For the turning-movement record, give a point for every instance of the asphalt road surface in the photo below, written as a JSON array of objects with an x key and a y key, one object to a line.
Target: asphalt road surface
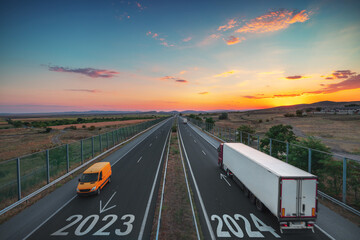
[
  {"x": 125, "y": 208},
  {"x": 224, "y": 211}
]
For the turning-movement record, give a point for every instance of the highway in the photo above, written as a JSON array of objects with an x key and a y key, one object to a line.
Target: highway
[
  {"x": 124, "y": 209},
  {"x": 224, "y": 211}
]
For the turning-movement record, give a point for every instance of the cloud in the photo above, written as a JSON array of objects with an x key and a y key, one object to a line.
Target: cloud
[
  {"x": 273, "y": 21},
  {"x": 233, "y": 40},
  {"x": 181, "y": 81},
  {"x": 168, "y": 78},
  {"x": 90, "y": 72},
  {"x": 157, "y": 37},
  {"x": 209, "y": 39},
  {"x": 83, "y": 90},
  {"x": 229, "y": 25},
  {"x": 295, "y": 77},
  {"x": 187, "y": 39},
  {"x": 182, "y": 72},
  {"x": 339, "y": 74},
  {"x": 203, "y": 93},
  {"x": 352, "y": 82},
  {"x": 226, "y": 74}
]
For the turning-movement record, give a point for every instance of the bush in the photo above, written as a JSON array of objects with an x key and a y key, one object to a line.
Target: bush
[
  {"x": 260, "y": 120},
  {"x": 83, "y": 126},
  {"x": 73, "y": 127},
  {"x": 299, "y": 113},
  {"x": 48, "y": 130},
  {"x": 223, "y": 116},
  {"x": 209, "y": 123},
  {"x": 245, "y": 129},
  {"x": 173, "y": 128},
  {"x": 91, "y": 128},
  {"x": 267, "y": 120},
  {"x": 289, "y": 115}
]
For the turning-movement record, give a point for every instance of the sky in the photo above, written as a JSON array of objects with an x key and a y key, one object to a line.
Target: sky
[{"x": 176, "y": 55}]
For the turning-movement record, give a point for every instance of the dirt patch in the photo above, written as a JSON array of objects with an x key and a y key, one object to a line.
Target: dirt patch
[
  {"x": 102, "y": 124},
  {"x": 176, "y": 218}
]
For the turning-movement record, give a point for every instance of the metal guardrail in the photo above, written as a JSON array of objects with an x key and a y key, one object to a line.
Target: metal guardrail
[
  {"x": 51, "y": 183},
  {"x": 342, "y": 203}
]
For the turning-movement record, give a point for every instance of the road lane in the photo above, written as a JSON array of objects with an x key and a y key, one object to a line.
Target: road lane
[
  {"x": 230, "y": 212},
  {"x": 120, "y": 208}
]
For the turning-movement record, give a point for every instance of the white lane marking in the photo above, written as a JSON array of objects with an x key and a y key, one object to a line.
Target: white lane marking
[
  {"x": 150, "y": 144},
  {"x": 198, "y": 192},
  {"x": 323, "y": 231},
  {"x": 194, "y": 141},
  {"x": 52, "y": 215},
  {"x": 189, "y": 194},
  {"x": 192, "y": 127},
  {"x": 222, "y": 176},
  {"x": 139, "y": 159},
  {"x": 40, "y": 225},
  {"x": 104, "y": 209},
  {"x": 151, "y": 194},
  {"x": 162, "y": 192},
  {"x": 203, "y": 152}
]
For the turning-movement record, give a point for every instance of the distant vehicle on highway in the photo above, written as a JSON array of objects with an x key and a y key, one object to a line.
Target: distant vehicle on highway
[
  {"x": 184, "y": 121},
  {"x": 287, "y": 191},
  {"x": 94, "y": 179}
]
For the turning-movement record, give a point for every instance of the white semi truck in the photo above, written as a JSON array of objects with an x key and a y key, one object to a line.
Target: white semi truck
[
  {"x": 286, "y": 191},
  {"x": 184, "y": 120}
]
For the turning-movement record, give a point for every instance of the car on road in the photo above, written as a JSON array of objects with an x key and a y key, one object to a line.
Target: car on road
[{"x": 94, "y": 179}]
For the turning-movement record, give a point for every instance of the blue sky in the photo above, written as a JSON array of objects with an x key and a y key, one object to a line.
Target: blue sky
[{"x": 132, "y": 55}]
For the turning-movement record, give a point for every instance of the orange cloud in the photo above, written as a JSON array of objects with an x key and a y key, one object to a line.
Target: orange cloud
[
  {"x": 273, "y": 21},
  {"x": 296, "y": 77},
  {"x": 229, "y": 25},
  {"x": 83, "y": 90},
  {"x": 174, "y": 78},
  {"x": 181, "y": 81},
  {"x": 90, "y": 72},
  {"x": 226, "y": 74},
  {"x": 339, "y": 74},
  {"x": 233, "y": 40},
  {"x": 162, "y": 40},
  {"x": 209, "y": 39},
  {"x": 203, "y": 93}
]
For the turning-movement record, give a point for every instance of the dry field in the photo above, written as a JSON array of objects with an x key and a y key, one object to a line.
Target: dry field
[
  {"x": 339, "y": 132},
  {"x": 15, "y": 142}
]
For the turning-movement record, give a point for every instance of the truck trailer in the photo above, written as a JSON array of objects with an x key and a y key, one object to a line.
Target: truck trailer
[
  {"x": 184, "y": 120},
  {"x": 288, "y": 192}
]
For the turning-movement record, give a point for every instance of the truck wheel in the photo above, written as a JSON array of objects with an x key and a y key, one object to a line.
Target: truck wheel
[
  {"x": 246, "y": 192},
  {"x": 259, "y": 205},
  {"x": 252, "y": 197}
]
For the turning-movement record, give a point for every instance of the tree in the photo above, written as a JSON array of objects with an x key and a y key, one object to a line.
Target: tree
[
  {"x": 299, "y": 113},
  {"x": 209, "y": 123},
  {"x": 243, "y": 131},
  {"x": 289, "y": 115},
  {"x": 223, "y": 116},
  {"x": 282, "y": 133},
  {"x": 318, "y": 109}
]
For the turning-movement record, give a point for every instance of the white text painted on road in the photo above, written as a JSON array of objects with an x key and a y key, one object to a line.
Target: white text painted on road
[{"x": 104, "y": 209}]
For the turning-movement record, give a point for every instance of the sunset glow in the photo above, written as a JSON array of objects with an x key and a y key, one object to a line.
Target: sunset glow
[{"x": 166, "y": 55}]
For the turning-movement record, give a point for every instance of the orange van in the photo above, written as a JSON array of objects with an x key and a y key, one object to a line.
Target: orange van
[{"x": 94, "y": 179}]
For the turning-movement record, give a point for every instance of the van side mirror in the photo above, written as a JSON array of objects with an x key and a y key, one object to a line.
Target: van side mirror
[
  {"x": 100, "y": 178},
  {"x": 79, "y": 179}
]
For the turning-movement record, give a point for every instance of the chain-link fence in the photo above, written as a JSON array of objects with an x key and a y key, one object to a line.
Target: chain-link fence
[
  {"x": 21, "y": 176},
  {"x": 339, "y": 177}
]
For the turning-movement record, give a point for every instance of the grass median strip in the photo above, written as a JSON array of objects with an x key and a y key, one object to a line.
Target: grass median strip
[{"x": 176, "y": 215}]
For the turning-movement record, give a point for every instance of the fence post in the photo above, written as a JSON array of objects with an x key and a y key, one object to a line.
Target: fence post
[
  {"x": 100, "y": 142},
  {"x": 47, "y": 167},
  {"x": 309, "y": 161},
  {"x": 18, "y": 177},
  {"x": 248, "y": 139},
  {"x": 344, "y": 181},
  {"x": 92, "y": 146},
  {"x": 270, "y": 146},
  {"x": 287, "y": 151},
  {"x": 235, "y": 135},
  {"x": 241, "y": 136},
  {"x": 107, "y": 140},
  {"x": 113, "y": 138},
  {"x": 82, "y": 151},
  {"x": 258, "y": 142},
  {"x": 67, "y": 158}
]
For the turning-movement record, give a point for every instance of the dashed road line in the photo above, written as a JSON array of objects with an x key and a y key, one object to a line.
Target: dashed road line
[
  {"x": 139, "y": 159},
  {"x": 203, "y": 152}
]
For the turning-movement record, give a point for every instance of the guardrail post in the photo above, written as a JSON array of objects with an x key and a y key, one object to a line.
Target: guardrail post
[
  {"x": 92, "y": 147},
  {"x": 82, "y": 151},
  {"x": 18, "y": 177},
  {"x": 309, "y": 161},
  {"x": 287, "y": 151},
  {"x": 258, "y": 142},
  {"x": 344, "y": 181},
  {"x": 100, "y": 142},
  {"x": 235, "y": 135},
  {"x": 67, "y": 158},
  {"x": 47, "y": 167},
  {"x": 248, "y": 139},
  {"x": 270, "y": 146}
]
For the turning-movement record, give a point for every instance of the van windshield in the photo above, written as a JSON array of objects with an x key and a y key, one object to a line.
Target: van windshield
[{"x": 89, "y": 177}]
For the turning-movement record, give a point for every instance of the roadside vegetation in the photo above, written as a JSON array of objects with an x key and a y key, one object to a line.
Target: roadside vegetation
[{"x": 176, "y": 217}]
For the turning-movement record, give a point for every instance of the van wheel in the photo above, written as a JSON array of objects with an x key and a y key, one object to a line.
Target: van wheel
[
  {"x": 259, "y": 205},
  {"x": 252, "y": 198},
  {"x": 98, "y": 191},
  {"x": 246, "y": 192}
]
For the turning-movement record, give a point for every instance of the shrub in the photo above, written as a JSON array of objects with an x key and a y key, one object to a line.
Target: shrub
[
  {"x": 289, "y": 115},
  {"x": 91, "y": 128},
  {"x": 173, "y": 128},
  {"x": 260, "y": 120},
  {"x": 223, "y": 116},
  {"x": 267, "y": 120},
  {"x": 48, "y": 130},
  {"x": 83, "y": 126},
  {"x": 73, "y": 127},
  {"x": 299, "y": 113}
]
